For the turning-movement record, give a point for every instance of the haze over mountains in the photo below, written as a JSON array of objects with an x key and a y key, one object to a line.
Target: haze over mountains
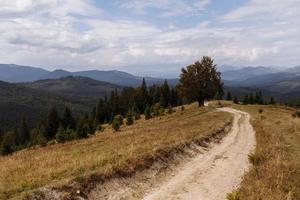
[
  {"x": 283, "y": 84},
  {"x": 16, "y": 73}
]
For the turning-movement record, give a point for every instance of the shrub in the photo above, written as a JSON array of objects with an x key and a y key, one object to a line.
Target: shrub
[
  {"x": 147, "y": 113},
  {"x": 120, "y": 118},
  {"x": 182, "y": 108},
  {"x": 170, "y": 110},
  {"x": 260, "y": 111},
  {"x": 161, "y": 111},
  {"x": 116, "y": 124},
  {"x": 61, "y": 135},
  {"x": 233, "y": 196},
  {"x": 156, "y": 109},
  {"x": 129, "y": 118},
  {"x": 256, "y": 158},
  {"x": 296, "y": 114}
]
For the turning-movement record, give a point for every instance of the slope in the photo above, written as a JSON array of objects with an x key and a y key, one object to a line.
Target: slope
[
  {"x": 74, "y": 86},
  {"x": 79, "y": 165},
  {"x": 17, "y": 101}
]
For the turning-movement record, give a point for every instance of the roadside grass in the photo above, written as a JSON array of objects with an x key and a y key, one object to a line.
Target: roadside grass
[
  {"x": 276, "y": 161},
  {"x": 55, "y": 165}
]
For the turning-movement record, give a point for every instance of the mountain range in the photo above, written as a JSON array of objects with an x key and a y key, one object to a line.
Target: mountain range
[
  {"x": 280, "y": 83},
  {"x": 16, "y": 73}
]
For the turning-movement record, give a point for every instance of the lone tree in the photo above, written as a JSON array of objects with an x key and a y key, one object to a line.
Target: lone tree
[{"x": 200, "y": 81}]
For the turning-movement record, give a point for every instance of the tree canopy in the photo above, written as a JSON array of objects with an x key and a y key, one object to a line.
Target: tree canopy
[{"x": 200, "y": 81}]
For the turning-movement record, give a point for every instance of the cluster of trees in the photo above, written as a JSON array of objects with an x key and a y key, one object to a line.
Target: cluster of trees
[
  {"x": 256, "y": 98},
  {"x": 198, "y": 82},
  {"x": 129, "y": 103}
]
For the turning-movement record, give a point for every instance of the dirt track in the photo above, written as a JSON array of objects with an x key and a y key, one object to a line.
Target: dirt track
[
  {"x": 209, "y": 174},
  {"x": 213, "y": 174}
]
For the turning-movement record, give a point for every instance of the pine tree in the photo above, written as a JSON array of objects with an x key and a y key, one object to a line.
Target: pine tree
[
  {"x": 147, "y": 113},
  {"x": 60, "y": 135},
  {"x": 272, "y": 100},
  {"x": 23, "y": 133},
  {"x": 165, "y": 94},
  {"x": 259, "y": 98},
  {"x": 1, "y": 134},
  {"x": 129, "y": 118},
  {"x": 142, "y": 96},
  {"x": 246, "y": 100},
  {"x": 99, "y": 112},
  {"x": 228, "y": 97},
  {"x": 68, "y": 120},
  {"x": 82, "y": 129},
  {"x": 116, "y": 124},
  {"x": 52, "y": 123},
  {"x": 251, "y": 99},
  {"x": 136, "y": 113},
  {"x": 7, "y": 143}
]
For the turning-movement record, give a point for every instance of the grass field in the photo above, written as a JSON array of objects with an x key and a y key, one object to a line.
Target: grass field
[
  {"x": 107, "y": 151},
  {"x": 276, "y": 162}
]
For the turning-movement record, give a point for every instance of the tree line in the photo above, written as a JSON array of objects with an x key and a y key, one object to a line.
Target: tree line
[
  {"x": 250, "y": 98},
  {"x": 57, "y": 126}
]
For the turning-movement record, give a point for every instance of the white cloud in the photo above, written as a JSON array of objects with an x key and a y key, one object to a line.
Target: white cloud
[
  {"x": 75, "y": 34},
  {"x": 168, "y": 8}
]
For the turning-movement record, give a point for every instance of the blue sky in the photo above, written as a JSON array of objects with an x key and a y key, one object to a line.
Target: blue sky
[{"x": 153, "y": 37}]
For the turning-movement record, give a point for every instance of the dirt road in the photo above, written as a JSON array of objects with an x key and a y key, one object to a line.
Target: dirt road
[
  {"x": 213, "y": 174},
  {"x": 209, "y": 174}
]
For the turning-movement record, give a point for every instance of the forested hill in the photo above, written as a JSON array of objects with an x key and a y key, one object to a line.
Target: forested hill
[
  {"x": 17, "y": 101},
  {"x": 74, "y": 86}
]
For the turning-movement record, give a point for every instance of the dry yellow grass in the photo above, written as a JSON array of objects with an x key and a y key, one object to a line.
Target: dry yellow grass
[
  {"x": 105, "y": 152},
  {"x": 276, "y": 170}
]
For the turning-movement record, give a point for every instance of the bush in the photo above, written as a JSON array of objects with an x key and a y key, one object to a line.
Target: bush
[
  {"x": 156, "y": 109},
  {"x": 233, "y": 196},
  {"x": 260, "y": 111},
  {"x": 129, "y": 118},
  {"x": 147, "y": 113},
  {"x": 256, "y": 158},
  {"x": 161, "y": 111},
  {"x": 116, "y": 124},
  {"x": 296, "y": 114},
  {"x": 8, "y": 141},
  {"x": 170, "y": 110},
  {"x": 182, "y": 108}
]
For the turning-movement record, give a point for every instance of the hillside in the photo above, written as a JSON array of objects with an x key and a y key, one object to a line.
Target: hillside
[
  {"x": 108, "y": 153},
  {"x": 16, "y": 101},
  {"x": 74, "y": 86}
]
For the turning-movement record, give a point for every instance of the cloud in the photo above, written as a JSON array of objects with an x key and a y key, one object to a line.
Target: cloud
[
  {"x": 74, "y": 34},
  {"x": 168, "y": 8}
]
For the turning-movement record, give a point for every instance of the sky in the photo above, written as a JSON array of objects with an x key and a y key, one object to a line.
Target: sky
[{"x": 152, "y": 37}]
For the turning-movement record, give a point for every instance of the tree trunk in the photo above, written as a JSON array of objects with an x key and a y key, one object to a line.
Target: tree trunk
[{"x": 200, "y": 102}]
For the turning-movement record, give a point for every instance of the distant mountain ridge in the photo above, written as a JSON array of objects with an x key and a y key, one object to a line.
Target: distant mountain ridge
[
  {"x": 74, "y": 86},
  {"x": 17, "y": 74},
  {"x": 246, "y": 73}
]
